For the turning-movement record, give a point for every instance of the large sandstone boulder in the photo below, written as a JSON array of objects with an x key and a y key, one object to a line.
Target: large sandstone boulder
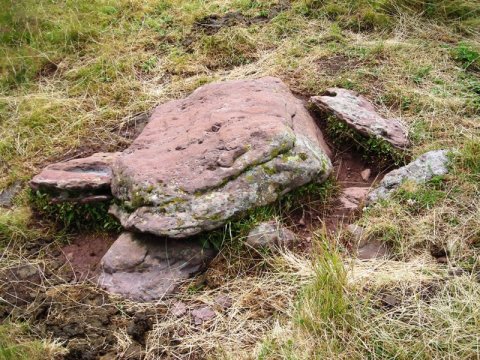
[
  {"x": 143, "y": 267},
  {"x": 226, "y": 148},
  {"x": 360, "y": 114}
]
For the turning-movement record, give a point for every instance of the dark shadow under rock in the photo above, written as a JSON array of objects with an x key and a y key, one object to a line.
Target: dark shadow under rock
[{"x": 144, "y": 268}]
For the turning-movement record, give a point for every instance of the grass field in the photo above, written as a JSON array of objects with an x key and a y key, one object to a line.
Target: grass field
[{"x": 74, "y": 74}]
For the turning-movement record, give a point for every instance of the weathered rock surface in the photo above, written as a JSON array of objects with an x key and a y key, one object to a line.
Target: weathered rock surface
[
  {"x": 202, "y": 315},
  {"x": 365, "y": 248},
  {"x": 86, "y": 179},
  {"x": 351, "y": 198},
  {"x": 142, "y": 267},
  {"x": 226, "y": 148},
  {"x": 8, "y": 194},
  {"x": 430, "y": 164},
  {"x": 365, "y": 174},
  {"x": 270, "y": 235},
  {"x": 373, "y": 249},
  {"x": 360, "y": 114},
  {"x": 357, "y": 232}
]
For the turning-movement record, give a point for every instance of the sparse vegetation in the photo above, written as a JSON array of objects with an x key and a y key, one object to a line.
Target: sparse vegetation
[
  {"x": 374, "y": 150},
  {"x": 74, "y": 217},
  {"x": 15, "y": 344},
  {"x": 72, "y": 73}
]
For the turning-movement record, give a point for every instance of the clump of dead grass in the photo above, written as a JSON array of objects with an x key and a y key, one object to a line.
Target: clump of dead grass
[{"x": 392, "y": 310}]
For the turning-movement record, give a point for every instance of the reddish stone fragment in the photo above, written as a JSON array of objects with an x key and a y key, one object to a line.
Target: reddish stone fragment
[{"x": 360, "y": 114}]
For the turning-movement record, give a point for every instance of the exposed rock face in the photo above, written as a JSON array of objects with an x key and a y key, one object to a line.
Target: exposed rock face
[
  {"x": 358, "y": 113},
  {"x": 144, "y": 267},
  {"x": 373, "y": 249},
  {"x": 352, "y": 197},
  {"x": 367, "y": 249},
  {"x": 430, "y": 164},
  {"x": 202, "y": 315},
  {"x": 270, "y": 235},
  {"x": 86, "y": 179},
  {"x": 8, "y": 194},
  {"x": 226, "y": 148}
]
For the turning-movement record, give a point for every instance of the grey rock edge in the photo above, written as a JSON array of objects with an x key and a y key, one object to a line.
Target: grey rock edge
[
  {"x": 143, "y": 267},
  {"x": 226, "y": 148},
  {"x": 8, "y": 194},
  {"x": 366, "y": 249},
  {"x": 428, "y": 165},
  {"x": 358, "y": 113}
]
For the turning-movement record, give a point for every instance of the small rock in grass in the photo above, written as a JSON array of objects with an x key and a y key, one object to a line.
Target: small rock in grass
[
  {"x": 365, "y": 174},
  {"x": 202, "y": 315},
  {"x": 352, "y": 197},
  {"x": 390, "y": 300},
  {"x": 26, "y": 271},
  {"x": 224, "y": 301},
  {"x": 442, "y": 260},
  {"x": 269, "y": 235},
  {"x": 374, "y": 249},
  {"x": 357, "y": 232},
  {"x": 430, "y": 164},
  {"x": 179, "y": 309},
  {"x": 7, "y": 195}
]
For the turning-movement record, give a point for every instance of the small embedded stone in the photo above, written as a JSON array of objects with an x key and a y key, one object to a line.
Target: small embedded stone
[
  {"x": 365, "y": 174},
  {"x": 224, "y": 301},
  {"x": 179, "y": 309},
  {"x": 202, "y": 315},
  {"x": 270, "y": 234},
  {"x": 424, "y": 168}
]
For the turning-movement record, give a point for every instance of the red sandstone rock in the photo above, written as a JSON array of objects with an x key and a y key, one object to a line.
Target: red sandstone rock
[
  {"x": 226, "y": 148},
  {"x": 352, "y": 197},
  {"x": 144, "y": 268},
  {"x": 77, "y": 179},
  {"x": 360, "y": 114}
]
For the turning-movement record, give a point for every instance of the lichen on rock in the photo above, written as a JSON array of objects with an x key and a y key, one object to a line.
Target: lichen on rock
[{"x": 226, "y": 148}]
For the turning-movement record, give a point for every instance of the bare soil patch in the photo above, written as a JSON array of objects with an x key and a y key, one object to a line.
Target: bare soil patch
[{"x": 212, "y": 24}]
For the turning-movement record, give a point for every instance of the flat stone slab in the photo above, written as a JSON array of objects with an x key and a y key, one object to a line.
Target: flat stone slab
[
  {"x": 430, "y": 164},
  {"x": 142, "y": 267},
  {"x": 360, "y": 114},
  {"x": 374, "y": 249},
  {"x": 270, "y": 235},
  {"x": 78, "y": 179},
  {"x": 352, "y": 197},
  {"x": 226, "y": 148}
]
